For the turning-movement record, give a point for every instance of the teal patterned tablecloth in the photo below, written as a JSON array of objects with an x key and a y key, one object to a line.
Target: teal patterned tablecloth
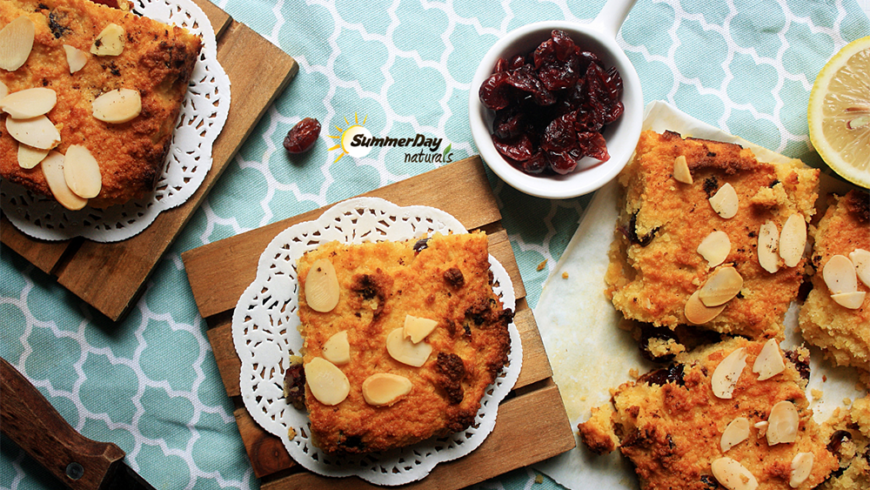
[{"x": 150, "y": 383}]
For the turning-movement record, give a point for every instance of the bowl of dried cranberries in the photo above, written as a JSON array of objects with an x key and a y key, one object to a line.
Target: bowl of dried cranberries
[{"x": 556, "y": 107}]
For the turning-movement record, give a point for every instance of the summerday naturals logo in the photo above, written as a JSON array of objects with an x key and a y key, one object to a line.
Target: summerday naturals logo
[{"x": 357, "y": 141}]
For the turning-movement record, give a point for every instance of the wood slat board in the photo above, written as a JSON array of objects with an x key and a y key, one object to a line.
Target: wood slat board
[
  {"x": 532, "y": 424},
  {"x": 110, "y": 276}
]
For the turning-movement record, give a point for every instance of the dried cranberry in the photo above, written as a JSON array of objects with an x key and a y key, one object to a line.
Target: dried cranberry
[
  {"x": 493, "y": 91},
  {"x": 536, "y": 164},
  {"x": 303, "y": 136},
  {"x": 524, "y": 79},
  {"x": 500, "y": 66},
  {"x": 517, "y": 62},
  {"x": 508, "y": 123},
  {"x": 518, "y": 149}
]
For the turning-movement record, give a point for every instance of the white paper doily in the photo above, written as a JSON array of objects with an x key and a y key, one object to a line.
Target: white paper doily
[
  {"x": 265, "y": 333},
  {"x": 204, "y": 112}
]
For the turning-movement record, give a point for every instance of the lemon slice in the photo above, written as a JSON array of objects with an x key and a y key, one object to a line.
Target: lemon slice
[{"x": 839, "y": 112}]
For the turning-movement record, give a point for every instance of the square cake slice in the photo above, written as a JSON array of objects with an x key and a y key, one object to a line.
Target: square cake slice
[
  {"x": 731, "y": 415},
  {"x": 120, "y": 53},
  {"x": 689, "y": 246},
  {"x": 401, "y": 339},
  {"x": 841, "y": 329}
]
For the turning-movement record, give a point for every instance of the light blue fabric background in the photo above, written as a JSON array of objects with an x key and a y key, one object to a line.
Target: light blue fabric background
[{"x": 150, "y": 383}]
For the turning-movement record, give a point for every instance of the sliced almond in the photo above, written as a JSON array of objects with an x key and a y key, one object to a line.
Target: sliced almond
[
  {"x": 861, "y": 260},
  {"x": 852, "y": 300},
  {"x": 117, "y": 106},
  {"x": 715, "y": 248},
  {"x": 762, "y": 428},
  {"x": 736, "y": 432},
  {"x": 793, "y": 240},
  {"x": 29, "y": 157},
  {"x": 839, "y": 274},
  {"x": 769, "y": 362},
  {"x": 110, "y": 41},
  {"x": 417, "y": 328},
  {"x": 405, "y": 351},
  {"x": 801, "y": 467},
  {"x": 75, "y": 58},
  {"x": 681, "y": 170},
  {"x": 29, "y": 103},
  {"x": 768, "y": 245},
  {"x": 327, "y": 383},
  {"x": 321, "y": 286},
  {"x": 337, "y": 349},
  {"x": 721, "y": 287},
  {"x": 383, "y": 389},
  {"x": 37, "y": 132},
  {"x": 697, "y": 312},
  {"x": 783, "y": 423},
  {"x": 82, "y": 172},
  {"x": 725, "y": 201},
  {"x": 4, "y": 90},
  {"x": 727, "y": 374},
  {"x": 16, "y": 42},
  {"x": 52, "y": 168},
  {"x": 733, "y": 475}
]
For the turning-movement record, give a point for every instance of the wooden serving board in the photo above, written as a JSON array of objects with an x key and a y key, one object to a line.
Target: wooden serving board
[
  {"x": 110, "y": 276},
  {"x": 532, "y": 424}
]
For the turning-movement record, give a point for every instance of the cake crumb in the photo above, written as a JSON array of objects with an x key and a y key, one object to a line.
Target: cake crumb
[
  {"x": 542, "y": 265},
  {"x": 847, "y": 401},
  {"x": 291, "y": 433},
  {"x": 633, "y": 373},
  {"x": 817, "y": 394},
  {"x": 565, "y": 275},
  {"x": 539, "y": 478}
]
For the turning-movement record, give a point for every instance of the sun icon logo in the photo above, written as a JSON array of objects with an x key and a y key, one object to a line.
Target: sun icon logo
[{"x": 345, "y": 139}]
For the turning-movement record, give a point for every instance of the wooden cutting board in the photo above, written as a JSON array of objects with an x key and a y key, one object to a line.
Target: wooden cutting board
[
  {"x": 110, "y": 276},
  {"x": 532, "y": 424}
]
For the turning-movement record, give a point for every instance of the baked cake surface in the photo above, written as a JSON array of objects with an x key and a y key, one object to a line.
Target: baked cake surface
[
  {"x": 849, "y": 440},
  {"x": 157, "y": 61},
  {"x": 655, "y": 265},
  {"x": 670, "y": 423},
  {"x": 842, "y": 333},
  {"x": 446, "y": 279}
]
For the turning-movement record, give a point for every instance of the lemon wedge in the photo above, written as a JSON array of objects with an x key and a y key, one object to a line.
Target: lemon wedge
[{"x": 839, "y": 112}]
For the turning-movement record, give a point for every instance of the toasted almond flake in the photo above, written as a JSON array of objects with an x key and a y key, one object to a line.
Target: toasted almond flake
[
  {"x": 839, "y": 274},
  {"x": 52, "y": 168},
  {"x": 4, "y": 90},
  {"x": 117, "y": 106},
  {"x": 801, "y": 467},
  {"x": 697, "y": 312},
  {"x": 852, "y": 300},
  {"x": 37, "y": 132},
  {"x": 110, "y": 41},
  {"x": 793, "y": 240},
  {"x": 29, "y": 103},
  {"x": 383, "y": 389},
  {"x": 783, "y": 422},
  {"x": 768, "y": 245},
  {"x": 29, "y": 157},
  {"x": 418, "y": 328},
  {"x": 861, "y": 260},
  {"x": 321, "y": 286},
  {"x": 75, "y": 58},
  {"x": 82, "y": 172},
  {"x": 16, "y": 42},
  {"x": 715, "y": 248},
  {"x": 405, "y": 351},
  {"x": 681, "y": 170},
  {"x": 769, "y": 362},
  {"x": 327, "y": 383},
  {"x": 762, "y": 428},
  {"x": 727, "y": 374},
  {"x": 721, "y": 287},
  {"x": 337, "y": 349},
  {"x": 733, "y": 475},
  {"x": 736, "y": 432},
  {"x": 725, "y": 202}
]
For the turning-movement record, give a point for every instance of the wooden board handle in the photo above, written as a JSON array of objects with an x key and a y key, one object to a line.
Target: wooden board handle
[{"x": 29, "y": 420}]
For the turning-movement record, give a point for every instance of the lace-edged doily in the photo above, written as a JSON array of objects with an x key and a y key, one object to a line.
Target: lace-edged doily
[
  {"x": 203, "y": 115},
  {"x": 265, "y": 334}
]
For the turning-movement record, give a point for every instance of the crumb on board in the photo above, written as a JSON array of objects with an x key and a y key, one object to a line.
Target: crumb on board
[
  {"x": 539, "y": 478},
  {"x": 847, "y": 401},
  {"x": 565, "y": 275},
  {"x": 291, "y": 433},
  {"x": 817, "y": 394},
  {"x": 542, "y": 265},
  {"x": 633, "y": 373}
]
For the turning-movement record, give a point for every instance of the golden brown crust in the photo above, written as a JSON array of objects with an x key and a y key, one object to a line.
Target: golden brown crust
[
  {"x": 654, "y": 263},
  {"x": 157, "y": 60},
  {"x": 380, "y": 284},
  {"x": 848, "y": 433},
  {"x": 841, "y": 333},
  {"x": 670, "y": 423}
]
